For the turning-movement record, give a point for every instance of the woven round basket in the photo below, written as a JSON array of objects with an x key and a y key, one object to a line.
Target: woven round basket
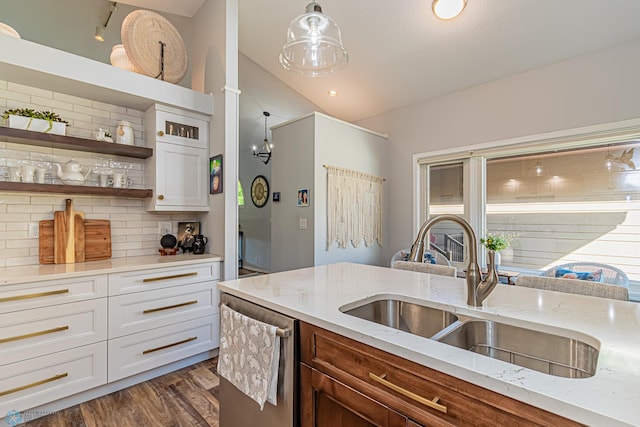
[{"x": 142, "y": 31}]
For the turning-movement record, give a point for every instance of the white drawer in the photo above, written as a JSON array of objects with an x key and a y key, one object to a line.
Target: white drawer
[
  {"x": 51, "y": 292},
  {"x": 140, "y": 352},
  {"x": 32, "y": 333},
  {"x": 141, "y": 311},
  {"x": 157, "y": 278},
  {"x": 34, "y": 382}
]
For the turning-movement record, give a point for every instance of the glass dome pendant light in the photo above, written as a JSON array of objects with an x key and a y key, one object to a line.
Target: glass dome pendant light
[
  {"x": 314, "y": 44},
  {"x": 264, "y": 154}
]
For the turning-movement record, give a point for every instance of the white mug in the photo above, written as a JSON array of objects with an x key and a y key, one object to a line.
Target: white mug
[
  {"x": 40, "y": 175},
  {"x": 15, "y": 174},
  {"x": 105, "y": 181},
  {"x": 28, "y": 173},
  {"x": 119, "y": 180}
]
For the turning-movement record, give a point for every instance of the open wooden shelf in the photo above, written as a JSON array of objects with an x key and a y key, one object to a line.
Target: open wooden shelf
[
  {"x": 76, "y": 189},
  {"x": 41, "y": 139}
]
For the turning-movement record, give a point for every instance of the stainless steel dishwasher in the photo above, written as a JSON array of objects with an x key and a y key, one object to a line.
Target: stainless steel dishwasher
[{"x": 238, "y": 410}]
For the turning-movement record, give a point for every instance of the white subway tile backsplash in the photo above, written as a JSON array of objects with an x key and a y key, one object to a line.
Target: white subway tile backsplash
[
  {"x": 51, "y": 104},
  {"x": 12, "y": 97},
  {"x": 109, "y": 107},
  {"x": 91, "y": 111},
  {"x": 29, "y": 90},
  {"x": 72, "y": 99}
]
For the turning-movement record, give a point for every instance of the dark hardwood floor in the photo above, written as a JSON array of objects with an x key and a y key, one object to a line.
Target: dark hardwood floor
[{"x": 188, "y": 397}]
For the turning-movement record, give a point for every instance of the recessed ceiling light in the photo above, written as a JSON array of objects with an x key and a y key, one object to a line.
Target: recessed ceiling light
[
  {"x": 333, "y": 93},
  {"x": 448, "y": 9}
]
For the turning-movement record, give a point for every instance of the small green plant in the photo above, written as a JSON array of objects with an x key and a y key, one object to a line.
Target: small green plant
[
  {"x": 497, "y": 241},
  {"x": 49, "y": 116}
]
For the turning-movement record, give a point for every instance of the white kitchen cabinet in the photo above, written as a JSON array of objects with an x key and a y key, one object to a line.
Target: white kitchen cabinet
[
  {"x": 41, "y": 331},
  {"x": 178, "y": 170},
  {"x": 52, "y": 340},
  {"x": 132, "y": 354},
  {"x": 71, "y": 337},
  {"x": 29, "y": 383},
  {"x": 161, "y": 315}
]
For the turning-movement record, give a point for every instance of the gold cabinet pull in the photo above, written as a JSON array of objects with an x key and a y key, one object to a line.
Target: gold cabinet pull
[
  {"x": 160, "y": 133},
  {"x": 430, "y": 403},
  {"x": 175, "y": 276},
  {"x": 36, "y": 384},
  {"x": 161, "y": 197},
  {"x": 151, "y": 350},
  {"x": 153, "y": 310},
  {"x": 38, "y": 295},
  {"x": 34, "y": 334}
]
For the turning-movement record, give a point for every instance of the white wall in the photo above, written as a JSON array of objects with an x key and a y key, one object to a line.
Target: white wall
[
  {"x": 293, "y": 168},
  {"x": 347, "y": 146},
  {"x": 597, "y": 88},
  {"x": 261, "y": 92},
  {"x": 309, "y": 143}
]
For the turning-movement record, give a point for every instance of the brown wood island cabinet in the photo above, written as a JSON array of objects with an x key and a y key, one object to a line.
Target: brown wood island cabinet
[{"x": 347, "y": 383}]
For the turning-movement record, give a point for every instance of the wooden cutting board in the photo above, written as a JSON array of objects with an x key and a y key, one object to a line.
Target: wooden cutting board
[
  {"x": 68, "y": 235},
  {"x": 97, "y": 240}
]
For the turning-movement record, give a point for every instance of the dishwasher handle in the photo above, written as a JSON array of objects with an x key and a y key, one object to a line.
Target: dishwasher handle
[{"x": 282, "y": 333}]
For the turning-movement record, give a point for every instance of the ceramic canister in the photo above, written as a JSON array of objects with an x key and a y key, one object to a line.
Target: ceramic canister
[{"x": 124, "y": 133}]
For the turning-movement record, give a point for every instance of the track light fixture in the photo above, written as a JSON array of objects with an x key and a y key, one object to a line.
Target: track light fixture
[{"x": 99, "y": 35}]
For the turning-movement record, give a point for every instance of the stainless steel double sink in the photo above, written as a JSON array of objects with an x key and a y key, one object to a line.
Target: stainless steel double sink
[{"x": 537, "y": 350}]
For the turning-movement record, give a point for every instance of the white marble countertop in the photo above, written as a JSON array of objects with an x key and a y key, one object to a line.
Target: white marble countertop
[
  {"x": 29, "y": 273},
  {"x": 611, "y": 397}
]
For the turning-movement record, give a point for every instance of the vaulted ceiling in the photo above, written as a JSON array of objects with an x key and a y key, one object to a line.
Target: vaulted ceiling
[{"x": 401, "y": 54}]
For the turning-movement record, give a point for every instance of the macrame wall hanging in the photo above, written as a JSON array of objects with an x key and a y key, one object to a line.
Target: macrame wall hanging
[{"x": 354, "y": 207}]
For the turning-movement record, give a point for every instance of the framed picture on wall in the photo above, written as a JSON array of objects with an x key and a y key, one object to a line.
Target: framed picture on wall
[
  {"x": 215, "y": 174},
  {"x": 303, "y": 197}
]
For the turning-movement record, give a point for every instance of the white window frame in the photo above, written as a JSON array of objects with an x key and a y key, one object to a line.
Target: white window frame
[{"x": 474, "y": 159}]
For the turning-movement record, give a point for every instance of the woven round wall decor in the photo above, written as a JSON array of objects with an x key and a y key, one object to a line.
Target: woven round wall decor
[{"x": 142, "y": 31}]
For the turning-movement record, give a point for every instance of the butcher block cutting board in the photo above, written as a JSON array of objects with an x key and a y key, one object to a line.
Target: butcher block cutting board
[
  {"x": 68, "y": 235},
  {"x": 91, "y": 238}
]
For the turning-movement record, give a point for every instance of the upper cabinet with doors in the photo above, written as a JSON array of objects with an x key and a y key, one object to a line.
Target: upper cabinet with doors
[{"x": 178, "y": 169}]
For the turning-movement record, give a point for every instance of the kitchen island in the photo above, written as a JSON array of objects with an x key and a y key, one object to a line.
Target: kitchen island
[{"x": 316, "y": 296}]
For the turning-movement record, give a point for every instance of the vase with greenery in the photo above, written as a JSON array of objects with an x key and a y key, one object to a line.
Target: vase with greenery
[
  {"x": 496, "y": 242},
  {"x": 48, "y": 116}
]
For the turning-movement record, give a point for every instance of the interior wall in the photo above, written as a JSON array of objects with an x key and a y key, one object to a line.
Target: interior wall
[
  {"x": 261, "y": 91},
  {"x": 69, "y": 25},
  {"x": 293, "y": 169},
  {"x": 299, "y": 233},
  {"x": 597, "y": 88},
  {"x": 347, "y": 146}
]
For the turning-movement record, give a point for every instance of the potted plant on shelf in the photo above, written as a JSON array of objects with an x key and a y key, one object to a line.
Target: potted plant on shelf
[{"x": 38, "y": 121}]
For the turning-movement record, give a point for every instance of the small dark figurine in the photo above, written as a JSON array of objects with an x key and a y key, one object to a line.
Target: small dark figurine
[{"x": 186, "y": 241}]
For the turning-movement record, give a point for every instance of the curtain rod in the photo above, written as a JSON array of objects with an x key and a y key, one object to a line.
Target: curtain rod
[{"x": 353, "y": 170}]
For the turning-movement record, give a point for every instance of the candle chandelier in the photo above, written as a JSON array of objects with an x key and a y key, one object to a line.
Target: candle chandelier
[{"x": 264, "y": 153}]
